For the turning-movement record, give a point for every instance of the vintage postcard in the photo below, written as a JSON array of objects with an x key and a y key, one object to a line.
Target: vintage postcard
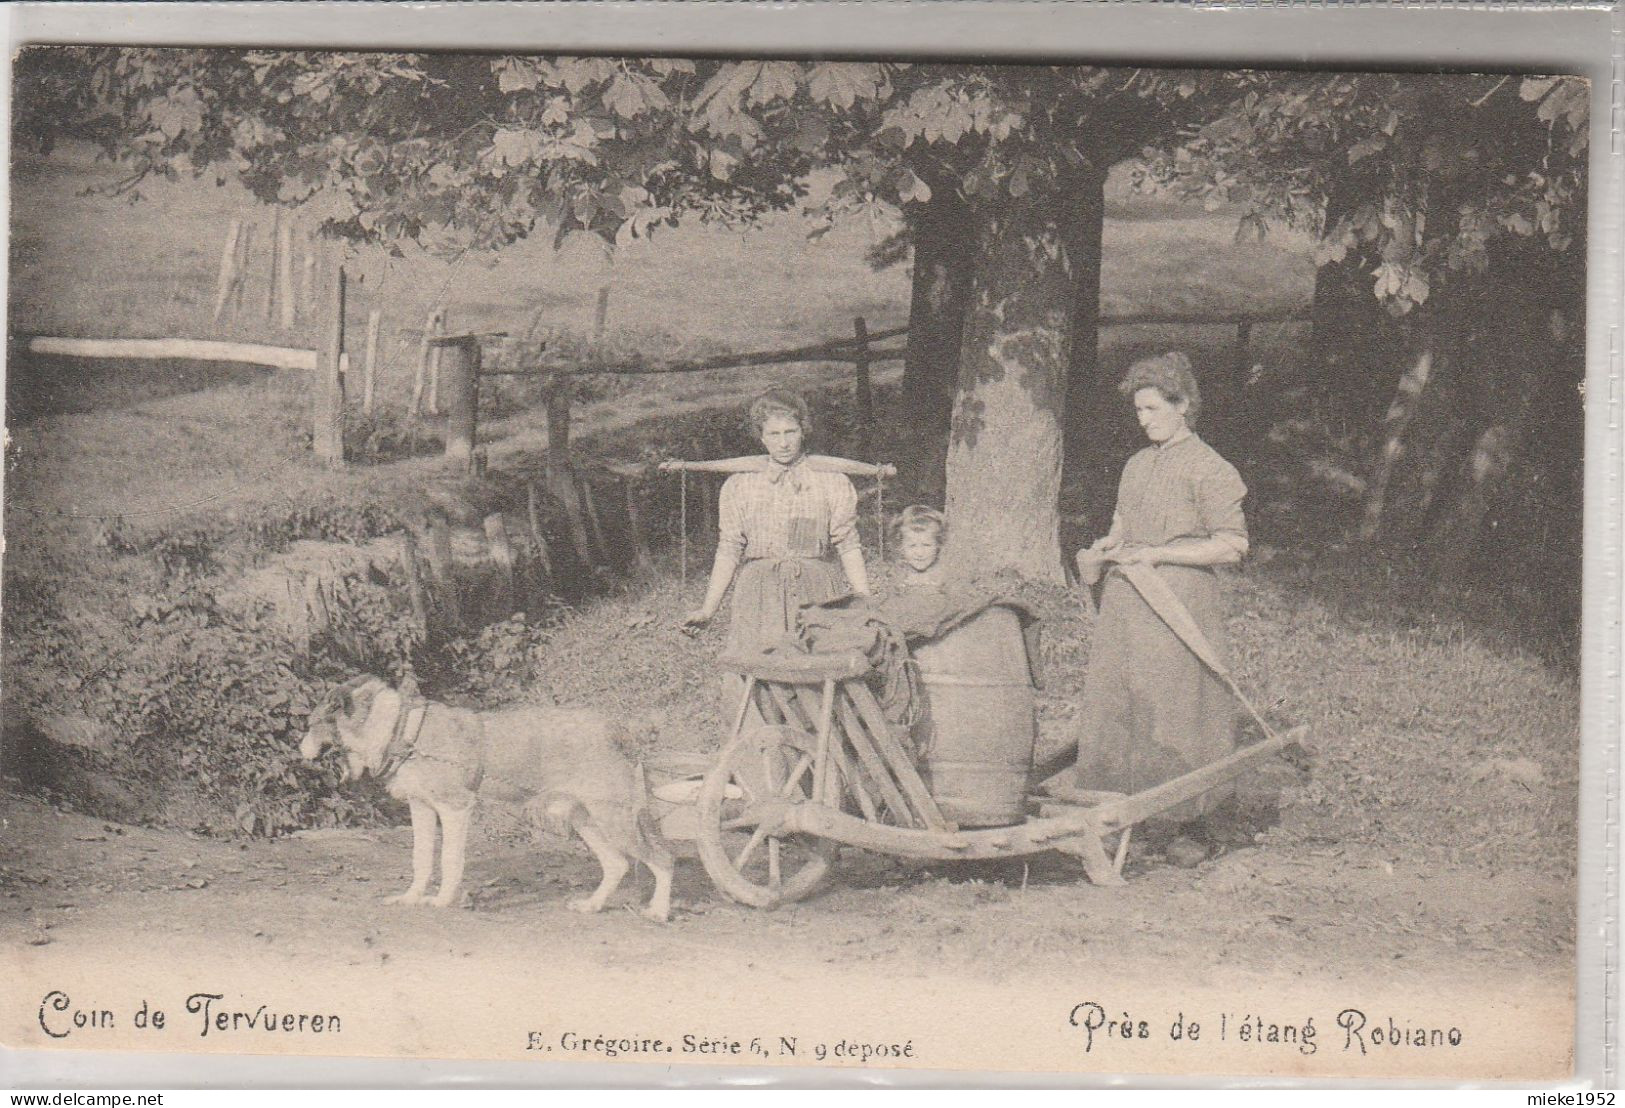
[{"x": 588, "y": 556}]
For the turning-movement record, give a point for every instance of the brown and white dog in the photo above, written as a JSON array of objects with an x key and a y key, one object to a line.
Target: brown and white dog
[{"x": 564, "y": 765}]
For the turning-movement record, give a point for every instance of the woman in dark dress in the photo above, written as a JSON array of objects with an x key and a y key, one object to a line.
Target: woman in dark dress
[{"x": 1152, "y": 710}]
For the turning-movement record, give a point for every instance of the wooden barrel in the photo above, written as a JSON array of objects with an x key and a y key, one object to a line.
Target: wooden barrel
[{"x": 979, "y": 724}]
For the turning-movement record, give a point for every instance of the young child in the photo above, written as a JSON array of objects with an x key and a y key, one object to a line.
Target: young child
[{"x": 918, "y": 534}]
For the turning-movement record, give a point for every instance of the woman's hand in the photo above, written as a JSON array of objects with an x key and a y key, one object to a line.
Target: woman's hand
[
  {"x": 1140, "y": 556},
  {"x": 1091, "y": 562},
  {"x": 696, "y": 619}
]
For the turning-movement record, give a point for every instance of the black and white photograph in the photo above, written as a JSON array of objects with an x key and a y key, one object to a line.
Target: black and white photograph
[{"x": 764, "y": 560}]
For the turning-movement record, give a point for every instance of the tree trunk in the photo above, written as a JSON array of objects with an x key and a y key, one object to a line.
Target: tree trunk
[
  {"x": 1085, "y": 384},
  {"x": 1422, "y": 435},
  {"x": 1091, "y": 396},
  {"x": 1004, "y": 452},
  {"x": 944, "y": 261}
]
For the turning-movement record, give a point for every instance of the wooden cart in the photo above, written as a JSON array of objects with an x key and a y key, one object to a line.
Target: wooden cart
[{"x": 812, "y": 764}]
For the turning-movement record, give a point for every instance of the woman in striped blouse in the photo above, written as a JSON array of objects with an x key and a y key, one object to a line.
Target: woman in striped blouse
[
  {"x": 777, "y": 529},
  {"x": 1152, "y": 711}
]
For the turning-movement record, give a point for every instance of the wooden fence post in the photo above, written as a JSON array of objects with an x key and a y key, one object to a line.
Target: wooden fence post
[
  {"x": 329, "y": 385},
  {"x": 557, "y": 404},
  {"x": 432, "y": 396},
  {"x": 865, "y": 389},
  {"x": 273, "y": 246},
  {"x": 600, "y": 314},
  {"x": 461, "y": 368},
  {"x": 307, "y": 284},
  {"x": 369, "y": 371},
  {"x": 1244, "y": 342},
  {"x": 228, "y": 263},
  {"x": 432, "y": 327},
  {"x": 440, "y": 562},
  {"x": 245, "y": 254},
  {"x": 284, "y": 271}
]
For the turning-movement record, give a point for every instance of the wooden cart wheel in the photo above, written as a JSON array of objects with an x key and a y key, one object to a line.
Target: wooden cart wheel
[{"x": 762, "y": 767}]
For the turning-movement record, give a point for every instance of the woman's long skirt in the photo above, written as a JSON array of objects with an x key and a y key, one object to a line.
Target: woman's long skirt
[
  {"x": 1152, "y": 711},
  {"x": 767, "y": 595},
  {"x": 769, "y": 592}
]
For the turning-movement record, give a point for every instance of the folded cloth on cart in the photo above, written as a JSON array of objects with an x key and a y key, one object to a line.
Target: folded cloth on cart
[{"x": 882, "y": 633}]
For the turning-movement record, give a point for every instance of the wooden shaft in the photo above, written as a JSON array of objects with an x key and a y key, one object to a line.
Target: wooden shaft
[
  {"x": 1150, "y": 802},
  {"x": 756, "y": 463},
  {"x": 907, "y": 842}
]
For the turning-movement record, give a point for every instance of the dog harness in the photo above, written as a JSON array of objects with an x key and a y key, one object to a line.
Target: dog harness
[{"x": 404, "y": 737}]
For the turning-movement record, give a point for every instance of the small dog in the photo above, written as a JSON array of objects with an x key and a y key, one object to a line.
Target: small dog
[{"x": 564, "y": 765}]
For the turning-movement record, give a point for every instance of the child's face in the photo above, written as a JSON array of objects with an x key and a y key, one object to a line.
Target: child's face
[{"x": 920, "y": 550}]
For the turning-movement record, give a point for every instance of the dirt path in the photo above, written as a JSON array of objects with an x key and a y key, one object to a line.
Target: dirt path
[{"x": 978, "y": 966}]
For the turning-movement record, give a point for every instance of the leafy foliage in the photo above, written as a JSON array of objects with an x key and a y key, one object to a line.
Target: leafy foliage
[
  {"x": 1393, "y": 170},
  {"x": 198, "y": 694},
  {"x": 456, "y": 151}
]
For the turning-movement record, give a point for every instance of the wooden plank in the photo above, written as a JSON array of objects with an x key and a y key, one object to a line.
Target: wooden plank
[
  {"x": 800, "y": 706},
  {"x": 203, "y": 350},
  {"x": 809, "y": 706},
  {"x": 902, "y": 766},
  {"x": 875, "y": 766},
  {"x": 797, "y": 669}
]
